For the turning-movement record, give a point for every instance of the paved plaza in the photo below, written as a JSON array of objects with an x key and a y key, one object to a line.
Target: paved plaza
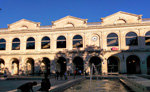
[{"x": 14, "y": 82}]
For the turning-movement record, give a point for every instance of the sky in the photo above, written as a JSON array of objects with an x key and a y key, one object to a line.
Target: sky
[{"x": 45, "y": 11}]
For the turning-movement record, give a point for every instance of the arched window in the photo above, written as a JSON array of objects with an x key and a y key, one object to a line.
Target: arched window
[
  {"x": 147, "y": 38},
  {"x": 30, "y": 43},
  {"x": 45, "y": 43},
  {"x": 131, "y": 39},
  {"x": 61, "y": 42},
  {"x": 2, "y": 44},
  {"x": 112, "y": 39},
  {"x": 23, "y": 27},
  {"x": 77, "y": 41},
  {"x": 120, "y": 21},
  {"x": 16, "y": 44}
]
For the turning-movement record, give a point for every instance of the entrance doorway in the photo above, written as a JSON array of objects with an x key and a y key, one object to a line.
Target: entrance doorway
[
  {"x": 2, "y": 64},
  {"x": 148, "y": 65},
  {"x": 97, "y": 62},
  {"x": 45, "y": 66},
  {"x": 113, "y": 65},
  {"x": 78, "y": 63},
  {"x": 61, "y": 64},
  {"x": 30, "y": 66},
  {"x": 133, "y": 65},
  {"x": 15, "y": 67}
]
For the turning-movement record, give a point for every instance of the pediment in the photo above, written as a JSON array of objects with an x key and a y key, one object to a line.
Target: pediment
[
  {"x": 68, "y": 22},
  {"x": 121, "y": 18},
  {"x": 24, "y": 25}
]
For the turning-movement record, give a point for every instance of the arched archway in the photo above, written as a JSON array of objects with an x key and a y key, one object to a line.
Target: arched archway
[
  {"x": 78, "y": 63},
  {"x": 148, "y": 65},
  {"x": 61, "y": 64},
  {"x": 2, "y": 64},
  {"x": 97, "y": 62},
  {"x": 113, "y": 64},
  {"x": 15, "y": 67},
  {"x": 45, "y": 65},
  {"x": 30, "y": 66},
  {"x": 133, "y": 65}
]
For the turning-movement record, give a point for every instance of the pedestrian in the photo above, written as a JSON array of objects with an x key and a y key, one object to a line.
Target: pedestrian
[
  {"x": 65, "y": 76},
  {"x": 57, "y": 75},
  {"x": 45, "y": 84},
  {"x": 5, "y": 73},
  {"x": 27, "y": 87},
  {"x": 61, "y": 75},
  {"x": 75, "y": 72},
  {"x": 80, "y": 72}
]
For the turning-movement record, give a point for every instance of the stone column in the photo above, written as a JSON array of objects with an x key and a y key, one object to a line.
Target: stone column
[
  {"x": 8, "y": 67},
  {"x": 37, "y": 65},
  {"x": 141, "y": 39},
  {"x": 37, "y": 43},
  {"x": 104, "y": 41},
  {"x": 69, "y": 65},
  {"x": 53, "y": 42},
  {"x": 53, "y": 66},
  {"x": 8, "y": 44},
  {"x": 122, "y": 42},
  {"x": 86, "y": 66},
  {"x": 69, "y": 42},
  {"x": 21, "y": 67},
  {"x": 143, "y": 64},
  {"x": 123, "y": 66},
  {"x": 22, "y": 44},
  {"x": 104, "y": 66}
]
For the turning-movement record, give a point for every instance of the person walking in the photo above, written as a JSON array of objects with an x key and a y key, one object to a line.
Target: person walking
[
  {"x": 65, "y": 76},
  {"x": 61, "y": 75},
  {"x": 57, "y": 75}
]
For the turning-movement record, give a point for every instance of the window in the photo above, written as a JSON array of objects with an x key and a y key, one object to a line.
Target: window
[
  {"x": 77, "y": 41},
  {"x": 16, "y": 44},
  {"x": 147, "y": 38},
  {"x": 131, "y": 39},
  {"x": 112, "y": 39},
  {"x": 61, "y": 42},
  {"x": 2, "y": 44},
  {"x": 120, "y": 21},
  {"x": 45, "y": 43},
  {"x": 30, "y": 43}
]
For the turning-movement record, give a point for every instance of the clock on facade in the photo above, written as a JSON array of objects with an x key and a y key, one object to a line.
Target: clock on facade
[{"x": 94, "y": 38}]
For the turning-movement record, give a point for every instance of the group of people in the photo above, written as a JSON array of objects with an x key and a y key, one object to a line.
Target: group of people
[
  {"x": 27, "y": 87},
  {"x": 61, "y": 74}
]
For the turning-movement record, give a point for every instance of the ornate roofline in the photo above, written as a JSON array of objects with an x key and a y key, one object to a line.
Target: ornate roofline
[
  {"x": 24, "y": 20},
  {"x": 140, "y": 16},
  {"x": 69, "y": 17}
]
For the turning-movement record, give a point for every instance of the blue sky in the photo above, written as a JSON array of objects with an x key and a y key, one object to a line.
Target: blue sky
[{"x": 45, "y": 11}]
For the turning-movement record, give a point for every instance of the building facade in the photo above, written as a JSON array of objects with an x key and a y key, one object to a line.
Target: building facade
[{"x": 120, "y": 43}]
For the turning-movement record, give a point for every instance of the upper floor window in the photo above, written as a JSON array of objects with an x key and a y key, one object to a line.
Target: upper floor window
[
  {"x": 16, "y": 44},
  {"x": 2, "y": 44},
  {"x": 131, "y": 39},
  {"x": 147, "y": 38},
  {"x": 30, "y": 43},
  {"x": 77, "y": 41},
  {"x": 112, "y": 39},
  {"x": 61, "y": 42},
  {"x": 45, "y": 43}
]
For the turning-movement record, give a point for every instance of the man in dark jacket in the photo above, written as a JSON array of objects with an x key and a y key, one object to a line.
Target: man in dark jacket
[{"x": 45, "y": 84}]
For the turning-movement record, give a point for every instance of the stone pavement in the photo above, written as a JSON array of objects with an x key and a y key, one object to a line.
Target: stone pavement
[{"x": 12, "y": 83}]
